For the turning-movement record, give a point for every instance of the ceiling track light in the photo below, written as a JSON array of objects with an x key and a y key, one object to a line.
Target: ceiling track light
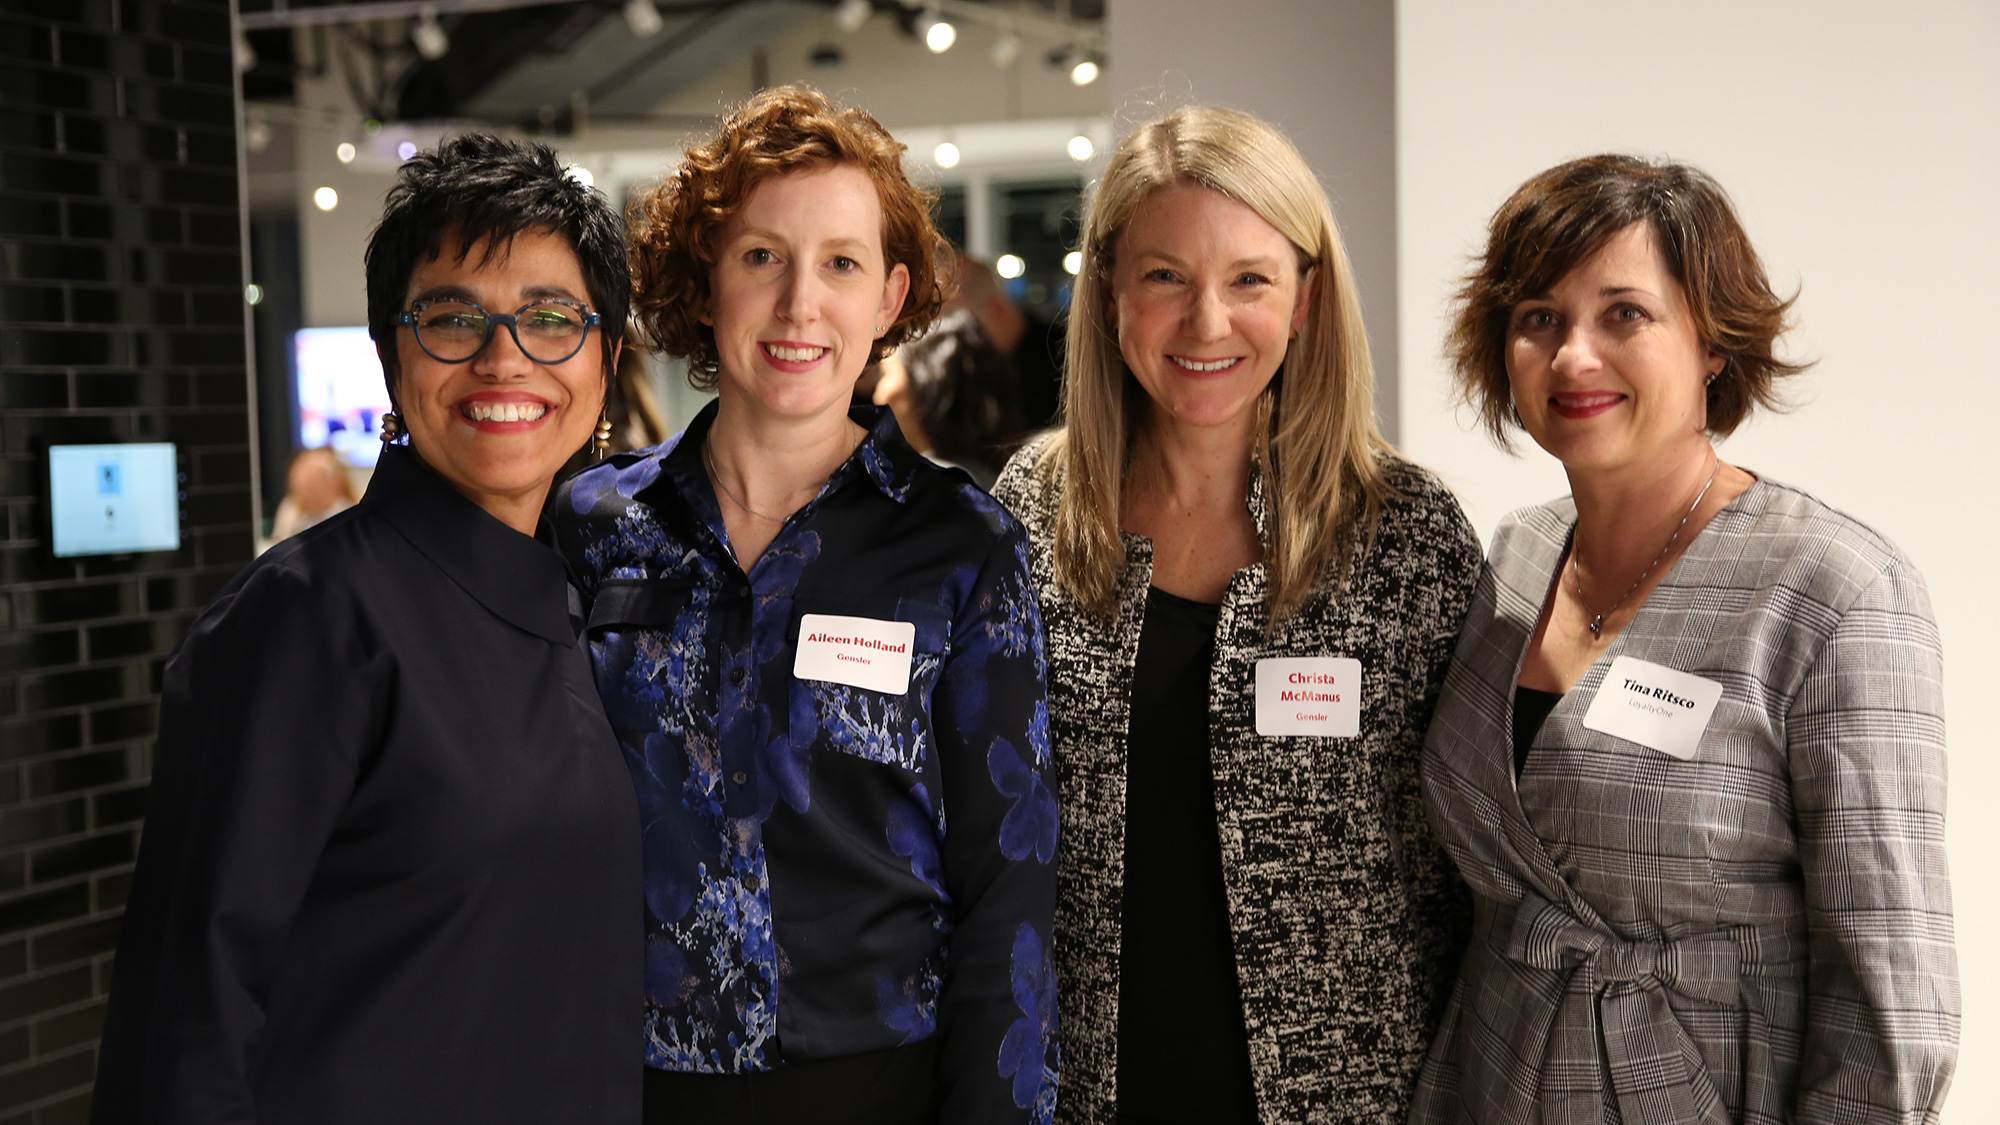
[
  {"x": 428, "y": 36},
  {"x": 1083, "y": 63},
  {"x": 937, "y": 32},
  {"x": 643, "y": 18},
  {"x": 851, "y": 14}
]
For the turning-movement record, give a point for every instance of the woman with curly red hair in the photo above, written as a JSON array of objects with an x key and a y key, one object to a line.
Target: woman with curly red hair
[{"x": 811, "y": 643}]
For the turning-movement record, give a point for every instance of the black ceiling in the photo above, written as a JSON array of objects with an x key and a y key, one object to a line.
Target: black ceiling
[{"x": 526, "y": 65}]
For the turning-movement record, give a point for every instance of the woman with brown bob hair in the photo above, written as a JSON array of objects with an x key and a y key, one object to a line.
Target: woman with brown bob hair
[
  {"x": 1251, "y": 601},
  {"x": 1690, "y": 754},
  {"x": 812, "y": 643}
]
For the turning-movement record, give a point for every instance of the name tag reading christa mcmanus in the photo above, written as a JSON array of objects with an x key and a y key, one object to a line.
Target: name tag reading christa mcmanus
[
  {"x": 857, "y": 651},
  {"x": 1318, "y": 696},
  {"x": 1653, "y": 705}
]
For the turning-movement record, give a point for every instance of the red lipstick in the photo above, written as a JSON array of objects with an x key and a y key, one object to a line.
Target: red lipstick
[{"x": 1584, "y": 404}]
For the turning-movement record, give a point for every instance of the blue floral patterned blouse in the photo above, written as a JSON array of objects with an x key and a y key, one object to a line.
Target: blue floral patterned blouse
[{"x": 830, "y": 868}]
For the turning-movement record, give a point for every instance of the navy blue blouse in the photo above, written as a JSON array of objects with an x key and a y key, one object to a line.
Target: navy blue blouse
[
  {"x": 831, "y": 869},
  {"x": 389, "y": 845}
]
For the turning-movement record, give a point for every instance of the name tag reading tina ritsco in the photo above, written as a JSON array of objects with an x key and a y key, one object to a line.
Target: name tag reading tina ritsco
[
  {"x": 1318, "y": 696},
  {"x": 1653, "y": 705},
  {"x": 857, "y": 651}
]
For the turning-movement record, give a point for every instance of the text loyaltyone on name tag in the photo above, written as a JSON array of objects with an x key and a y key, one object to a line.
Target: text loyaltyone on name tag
[{"x": 1658, "y": 707}]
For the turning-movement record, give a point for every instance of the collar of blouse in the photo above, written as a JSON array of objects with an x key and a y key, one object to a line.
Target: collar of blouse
[
  {"x": 883, "y": 457},
  {"x": 520, "y": 580}
]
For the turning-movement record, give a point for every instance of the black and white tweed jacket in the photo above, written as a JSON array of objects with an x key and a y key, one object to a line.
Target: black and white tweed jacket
[{"x": 1345, "y": 914}]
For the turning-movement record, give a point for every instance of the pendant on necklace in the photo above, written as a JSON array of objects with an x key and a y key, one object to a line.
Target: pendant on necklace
[{"x": 1597, "y": 626}]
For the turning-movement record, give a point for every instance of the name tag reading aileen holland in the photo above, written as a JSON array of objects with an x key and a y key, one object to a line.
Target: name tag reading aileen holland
[
  {"x": 1311, "y": 695},
  {"x": 857, "y": 651},
  {"x": 1658, "y": 707}
]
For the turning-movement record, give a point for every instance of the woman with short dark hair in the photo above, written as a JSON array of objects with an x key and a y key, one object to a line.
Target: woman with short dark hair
[
  {"x": 390, "y": 849},
  {"x": 823, "y": 657},
  {"x": 1690, "y": 754}
]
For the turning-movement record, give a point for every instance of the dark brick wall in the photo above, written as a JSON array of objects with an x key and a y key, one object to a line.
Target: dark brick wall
[{"x": 121, "y": 319}]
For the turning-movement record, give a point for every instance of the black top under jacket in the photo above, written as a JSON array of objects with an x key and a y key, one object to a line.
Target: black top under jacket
[
  {"x": 1183, "y": 1053},
  {"x": 1532, "y": 708},
  {"x": 391, "y": 863}
]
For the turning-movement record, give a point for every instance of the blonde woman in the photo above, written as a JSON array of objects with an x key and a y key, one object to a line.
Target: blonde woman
[{"x": 1251, "y": 601}]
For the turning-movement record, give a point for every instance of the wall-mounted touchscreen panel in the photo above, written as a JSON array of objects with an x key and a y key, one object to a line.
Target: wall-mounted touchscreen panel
[{"x": 114, "y": 499}]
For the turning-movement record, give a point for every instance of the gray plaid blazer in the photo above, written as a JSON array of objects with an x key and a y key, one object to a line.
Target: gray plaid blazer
[{"x": 1761, "y": 934}]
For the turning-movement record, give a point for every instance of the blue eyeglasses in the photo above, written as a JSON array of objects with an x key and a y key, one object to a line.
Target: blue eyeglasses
[{"x": 453, "y": 331}]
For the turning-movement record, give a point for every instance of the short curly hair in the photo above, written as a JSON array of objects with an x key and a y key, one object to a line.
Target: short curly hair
[
  {"x": 675, "y": 226},
  {"x": 1559, "y": 218}
]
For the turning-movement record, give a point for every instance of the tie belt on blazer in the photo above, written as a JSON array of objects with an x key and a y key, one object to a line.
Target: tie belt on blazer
[{"x": 1620, "y": 986}]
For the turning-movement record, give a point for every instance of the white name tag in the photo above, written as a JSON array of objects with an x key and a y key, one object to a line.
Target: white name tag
[
  {"x": 858, "y": 651},
  {"x": 1310, "y": 695},
  {"x": 1654, "y": 706}
]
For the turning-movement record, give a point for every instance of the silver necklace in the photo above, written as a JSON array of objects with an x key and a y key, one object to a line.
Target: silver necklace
[
  {"x": 1596, "y": 625},
  {"x": 715, "y": 477}
]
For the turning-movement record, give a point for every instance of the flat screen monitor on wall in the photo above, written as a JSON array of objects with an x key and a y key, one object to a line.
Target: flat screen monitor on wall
[
  {"x": 114, "y": 499},
  {"x": 337, "y": 378}
]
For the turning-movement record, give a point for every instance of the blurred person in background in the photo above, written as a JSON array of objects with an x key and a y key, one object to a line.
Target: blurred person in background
[
  {"x": 1251, "y": 602},
  {"x": 316, "y": 486},
  {"x": 391, "y": 854},
  {"x": 1690, "y": 755},
  {"x": 824, "y": 660},
  {"x": 638, "y": 421},
  {"x": 633, "y": 416},
  {"x": 953, "y": 395},
  {"x": 1031, "y": 344}
]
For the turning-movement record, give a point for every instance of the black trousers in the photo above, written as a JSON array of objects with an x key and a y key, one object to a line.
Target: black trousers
[{"x": 894, "y": 1087}]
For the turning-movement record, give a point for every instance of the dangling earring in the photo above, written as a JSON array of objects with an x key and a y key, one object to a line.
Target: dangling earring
[
  {"x": 602, "y": 442},
  {"x": 392, "y": 427}
]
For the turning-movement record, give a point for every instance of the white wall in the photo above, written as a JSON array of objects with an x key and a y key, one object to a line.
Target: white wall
[
  {"x": 1862, "y": 144},
  {"x": 1321, "y": 70}
]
